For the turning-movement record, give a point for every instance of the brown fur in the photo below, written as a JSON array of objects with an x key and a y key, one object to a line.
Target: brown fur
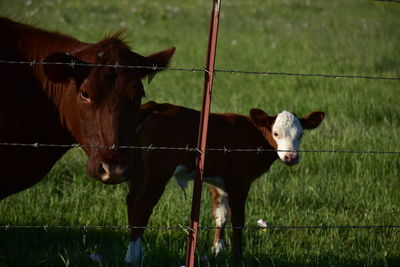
[
  {"x": 168, "y": 125},
  {"x": 45, "y": 104}
]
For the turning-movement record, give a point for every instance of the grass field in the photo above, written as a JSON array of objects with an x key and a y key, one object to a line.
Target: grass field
[{"x": 303, "y": 36}]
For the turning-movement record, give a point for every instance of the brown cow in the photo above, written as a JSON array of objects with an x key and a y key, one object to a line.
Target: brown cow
[
  {"x": 60, "y": 104},
  {"x": 229, "y": 175}
]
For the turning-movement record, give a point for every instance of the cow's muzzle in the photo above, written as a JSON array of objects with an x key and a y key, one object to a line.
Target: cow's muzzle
[
  {"x": 112, "y": 174},
  {"x": 109, "y": 167}
]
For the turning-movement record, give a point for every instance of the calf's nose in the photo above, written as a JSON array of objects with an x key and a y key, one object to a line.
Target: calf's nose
[{"x": 291, "y": 159}]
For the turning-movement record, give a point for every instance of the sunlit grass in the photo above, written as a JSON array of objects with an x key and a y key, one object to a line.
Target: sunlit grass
[{"x": 339, "y": 37}]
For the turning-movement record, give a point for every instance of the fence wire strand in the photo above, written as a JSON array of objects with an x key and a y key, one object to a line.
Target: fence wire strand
[
  {"x": 395, "y": 1},
  {"x": 187, "y": 148},
  {"x": 202, "y": 228},
  {"x": 156, "y": 68}
]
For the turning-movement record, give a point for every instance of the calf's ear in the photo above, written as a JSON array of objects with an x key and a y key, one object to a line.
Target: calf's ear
[
  {"x": 160, "y": 60},
  {"x": 260, "y": 118},
  {"x": 312, "y": 120},
  {"x": 66, "y": 68}
]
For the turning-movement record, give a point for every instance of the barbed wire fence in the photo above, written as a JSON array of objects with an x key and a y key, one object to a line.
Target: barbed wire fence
[
  {"x": 187, "y": 148},
  {"x": 72, "y": 64}
]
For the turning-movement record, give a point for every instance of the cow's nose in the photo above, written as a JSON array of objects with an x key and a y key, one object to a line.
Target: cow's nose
[{"x": 112, "y": 174}]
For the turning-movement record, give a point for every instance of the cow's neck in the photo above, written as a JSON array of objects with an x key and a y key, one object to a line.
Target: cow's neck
[{"x": 45, "y": 44}]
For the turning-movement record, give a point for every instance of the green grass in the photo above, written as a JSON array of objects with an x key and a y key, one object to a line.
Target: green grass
[{"x": 302, "y": 36}]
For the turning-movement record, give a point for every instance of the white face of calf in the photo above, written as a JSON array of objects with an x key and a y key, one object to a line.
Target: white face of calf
[
  {"x": 284, "y": 131},
  {"x": 287, "y": 132}
]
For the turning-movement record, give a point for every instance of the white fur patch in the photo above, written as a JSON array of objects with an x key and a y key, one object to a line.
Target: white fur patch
[
  {"x": 182, "y": 177},
  {"x": 221, "y": 212},
  {"x": 218, "y": 247},
  {"x": 134, "y": 253},
  {"x": 287, "y": 131},
  {"x": 220, "y": 217}
]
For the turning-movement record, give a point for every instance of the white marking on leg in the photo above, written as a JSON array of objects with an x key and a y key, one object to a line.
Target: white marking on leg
[
  {"x": 218, "y": 247},
  {"x": 221, "y": 212},
  {"x": 134, "y": 253},
  {"x": 221, "y": 217}
]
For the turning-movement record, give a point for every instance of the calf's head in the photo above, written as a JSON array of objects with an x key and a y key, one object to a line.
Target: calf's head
[
  {"x": 284, "y": 131},
  {"x": 98, "y": 104}
]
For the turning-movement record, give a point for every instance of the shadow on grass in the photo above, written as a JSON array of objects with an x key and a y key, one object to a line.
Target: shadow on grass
[
  {"x": 69, "y": 247},
  {"x": 61, "y": 247}
]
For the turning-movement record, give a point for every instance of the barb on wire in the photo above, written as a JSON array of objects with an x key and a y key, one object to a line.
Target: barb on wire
[
  {"x": 205, "y": 228},
  {"x": 154, "y": 67},
  {"x": 187, "y": 148}
]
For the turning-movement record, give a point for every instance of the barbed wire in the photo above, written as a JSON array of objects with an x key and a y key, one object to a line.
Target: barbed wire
[
  {"x": 396, "y": 1},
  {"x": 187, "y": 148},
  {"x": 333, "y": 76},
  {"x": 72, "y": 64},
  {"x": 186, "y": 228},
  {"x": 156, "y": 68}
]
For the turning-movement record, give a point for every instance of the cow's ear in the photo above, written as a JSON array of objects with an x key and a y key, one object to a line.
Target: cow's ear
[
  {"x": 312, "y": 120},
  {"x": 62, "y": 66},
  {"x": 158, "y": 60},
  {"x": 260, "y": 118}
]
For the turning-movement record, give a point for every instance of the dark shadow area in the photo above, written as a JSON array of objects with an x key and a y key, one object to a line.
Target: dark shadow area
[
  {"x": 70, "y": 247},
  {"x": 61, "y": 247}
]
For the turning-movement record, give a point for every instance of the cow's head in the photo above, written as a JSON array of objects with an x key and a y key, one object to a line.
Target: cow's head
[
  {"x": 284, "y": 131},
  {"x": 98, "y": 104}
]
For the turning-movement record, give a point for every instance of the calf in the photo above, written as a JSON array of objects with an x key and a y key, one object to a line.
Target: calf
[{"x": 229, "y": 175}]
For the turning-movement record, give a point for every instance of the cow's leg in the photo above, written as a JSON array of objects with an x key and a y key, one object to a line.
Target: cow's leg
[
  {"x": 140, "y": 206},
  {"x": 221, "y": 214},
  {"x": 237, "y": 201}
]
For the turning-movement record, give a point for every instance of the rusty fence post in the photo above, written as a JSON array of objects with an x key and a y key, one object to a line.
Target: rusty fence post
[{"x": 202, "y": 135}]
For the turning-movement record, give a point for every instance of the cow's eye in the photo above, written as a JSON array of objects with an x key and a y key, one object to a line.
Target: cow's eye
[
  {"x": 85, "y": 95},
  {"x": 276, "y": 134}
]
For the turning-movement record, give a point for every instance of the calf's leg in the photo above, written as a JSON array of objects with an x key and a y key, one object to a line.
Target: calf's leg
[
  {"x": 221, "y": 214},
  {"x": 237, "y": 201}
]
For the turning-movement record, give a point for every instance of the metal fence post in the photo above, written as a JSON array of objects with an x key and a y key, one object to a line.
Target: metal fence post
[{"x": 202, "y": 135}]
